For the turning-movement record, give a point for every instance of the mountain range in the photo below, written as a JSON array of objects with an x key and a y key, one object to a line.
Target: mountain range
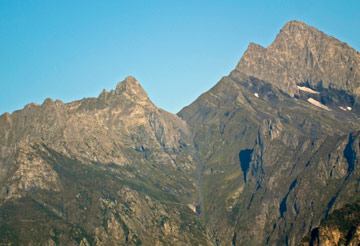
[{"x": 268, "y": 156}]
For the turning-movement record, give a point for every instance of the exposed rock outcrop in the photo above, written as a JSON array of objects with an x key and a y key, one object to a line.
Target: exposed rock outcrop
[{"x": 303, "y": 55}]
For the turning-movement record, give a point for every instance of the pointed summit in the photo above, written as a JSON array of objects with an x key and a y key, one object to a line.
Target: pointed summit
[
  {"x": 295, "y": 25},
  {"x": 128, "y": 90},
  {"x": 131, "y": 87},
  {"x": 129, "y": 83},
  {"x": 303, "y": 55},
  {"x": 298, "y": 33},
  {"x": 255, "y": 47}
]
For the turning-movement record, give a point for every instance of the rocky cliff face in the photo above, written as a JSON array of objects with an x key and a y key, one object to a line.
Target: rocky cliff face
[
  {"x": 100, "y": 171},
  {"x": 342, "y": 227},
  {"x": 260, "y": 159},
  {"x": 278, "y": 139},
  {"x": 272, "y": 166},
  {"x": 303, "y": 55}
]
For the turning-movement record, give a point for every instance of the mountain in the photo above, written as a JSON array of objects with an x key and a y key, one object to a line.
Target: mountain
[
  {"x": 277, "y": 140},
  {"x": 260, "y": 159},
  {"x": 303, "y": 55},
  {"x": 100, "y": 171}
]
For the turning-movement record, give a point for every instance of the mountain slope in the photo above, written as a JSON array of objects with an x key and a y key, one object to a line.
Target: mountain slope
[
  {"x": 100, "y": 170},
  {"x": 275, "y": 157}
]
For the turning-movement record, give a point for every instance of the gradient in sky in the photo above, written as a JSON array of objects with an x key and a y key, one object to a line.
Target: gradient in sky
[{"x": 177, "y": 50}]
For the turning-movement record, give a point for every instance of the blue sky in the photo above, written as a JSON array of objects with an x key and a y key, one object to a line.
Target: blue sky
[{"x": 177, "y": 50}]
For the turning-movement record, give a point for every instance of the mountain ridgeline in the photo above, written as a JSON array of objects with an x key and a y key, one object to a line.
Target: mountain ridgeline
[{"x": 260, "y": 159}]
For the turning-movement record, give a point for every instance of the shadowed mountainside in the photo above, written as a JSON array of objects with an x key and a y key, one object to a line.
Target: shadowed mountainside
[{"x": 278, "y": 139}]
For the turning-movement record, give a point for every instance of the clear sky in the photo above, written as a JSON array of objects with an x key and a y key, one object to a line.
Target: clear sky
[{"x": 177, "y": 50}]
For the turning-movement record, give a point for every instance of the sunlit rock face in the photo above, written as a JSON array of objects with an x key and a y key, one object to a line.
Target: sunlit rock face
[
  {"x": 341, "y": 227},
  {"x": 303, "y": 55},
  {"x": 112, "y": 170}
]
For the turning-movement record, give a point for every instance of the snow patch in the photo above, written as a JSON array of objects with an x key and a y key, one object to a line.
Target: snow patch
[
  {"x": 256, "y": 94},
  {"x": 342, "y": 108},
  {"x": 307, "y": 89},
  {"x": 345, "y": 109},
  {"x": 318, "y": 104},
  {"x": 192, "y": 207}
]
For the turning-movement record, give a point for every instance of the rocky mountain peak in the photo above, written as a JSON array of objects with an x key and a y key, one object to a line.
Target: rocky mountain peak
[
  {"x": 254, "y": 48},
  {"x": 131, "y": 86},
  {"x": 296, "y": 26},
  {"x": 131, "y": 89},
  {"x": 296, "y": 33},
  {"x": 303, "y": 55},
  {"x": 128, "y": 90}
]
